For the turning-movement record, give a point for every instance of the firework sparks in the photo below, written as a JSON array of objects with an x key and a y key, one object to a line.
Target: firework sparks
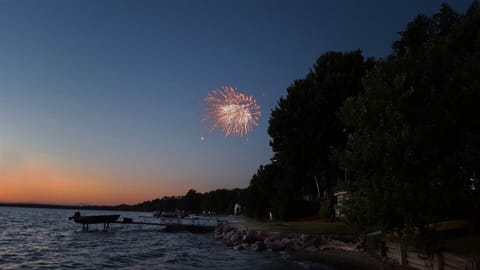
[{"x": 231, "y": 111}]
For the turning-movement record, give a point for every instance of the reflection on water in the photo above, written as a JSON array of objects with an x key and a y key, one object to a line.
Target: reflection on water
[{"x": 34, "y": 238}]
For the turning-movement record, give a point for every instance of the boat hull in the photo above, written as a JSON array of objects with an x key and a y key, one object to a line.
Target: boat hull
[{"x": 102, "y": 219}]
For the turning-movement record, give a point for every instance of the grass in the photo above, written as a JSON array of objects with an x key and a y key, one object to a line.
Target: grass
[{"x": 310, "y": 227}]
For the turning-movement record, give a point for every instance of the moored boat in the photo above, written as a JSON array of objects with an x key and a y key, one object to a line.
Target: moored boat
[{"x": 98, "y": 219}]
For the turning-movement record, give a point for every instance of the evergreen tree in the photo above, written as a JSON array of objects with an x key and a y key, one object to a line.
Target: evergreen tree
[
  {"x": 305, "y": 129},
  {"x": 416, "y": 147}
]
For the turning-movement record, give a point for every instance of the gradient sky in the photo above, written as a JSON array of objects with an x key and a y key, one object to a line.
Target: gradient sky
[{"x": 101, "y": 101}]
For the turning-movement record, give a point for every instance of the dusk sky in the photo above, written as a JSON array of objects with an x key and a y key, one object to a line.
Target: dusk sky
[{"x": 101, "y": 102}]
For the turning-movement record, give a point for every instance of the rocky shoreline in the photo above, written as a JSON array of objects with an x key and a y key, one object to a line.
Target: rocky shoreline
[{"x": 339, "y": 251}]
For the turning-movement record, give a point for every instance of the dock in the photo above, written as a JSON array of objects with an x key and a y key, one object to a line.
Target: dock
[
  {"x": 173, "y": 226},
  {"x": 190, "y": 224}
]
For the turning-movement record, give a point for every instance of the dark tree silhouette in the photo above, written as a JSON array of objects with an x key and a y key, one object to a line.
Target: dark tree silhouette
[
  {"x": 305, "y": 130},
  {"x": 416, "y": 149}
]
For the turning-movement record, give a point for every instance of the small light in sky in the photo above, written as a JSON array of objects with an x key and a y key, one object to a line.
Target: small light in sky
[{"x": 202, "y": 138}]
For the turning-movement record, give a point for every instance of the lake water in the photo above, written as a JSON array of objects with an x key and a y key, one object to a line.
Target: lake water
[{"x": 37, "y": 238}]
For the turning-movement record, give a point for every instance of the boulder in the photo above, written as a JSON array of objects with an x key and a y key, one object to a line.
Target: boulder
[
  {"x": 296, "y": 246},
  {"x": 338, "y": 245},
  {"x": 268, "y": 242},
  {"x": 250, "y": 237},
  {"x": 277, "y": 245},
  {"x": 262, "y": 235},
  {"x": 218, "y": 236},
  {"x": 227, "y": 235},
  {"x": 242, "y": 246},
  {"x": 316, "y": 242},
  {"x": 259, "y": 246},
  {"x": 236, "y": 238},
  {"x": 238, "y": 247},
  {"x": 306, "y": 237},
  {"x": 223, "y": 227},
  {"x": 287, "y": 243},
  {"x": 275, "y": 236}
]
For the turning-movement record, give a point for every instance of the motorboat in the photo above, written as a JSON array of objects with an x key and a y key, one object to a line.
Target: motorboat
[{"x": 97, "y": 219}]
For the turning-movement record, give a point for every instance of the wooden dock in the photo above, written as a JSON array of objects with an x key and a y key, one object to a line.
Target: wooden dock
[
  {"x": 173, "y": 226},
  {"x": 194, "y": 225}
]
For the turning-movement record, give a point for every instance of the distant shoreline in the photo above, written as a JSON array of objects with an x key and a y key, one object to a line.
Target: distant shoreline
[{"x": 80, "y": 207}]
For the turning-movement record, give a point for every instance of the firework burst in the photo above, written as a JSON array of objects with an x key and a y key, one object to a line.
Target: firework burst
[{"x": 231, "y": 111}]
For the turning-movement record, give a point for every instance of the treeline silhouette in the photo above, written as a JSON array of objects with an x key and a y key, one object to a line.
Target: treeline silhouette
[
  {"x": 401, "y": 134},
  {"x": 219, "y": 201},
  {"x": 216, "y": 202}
]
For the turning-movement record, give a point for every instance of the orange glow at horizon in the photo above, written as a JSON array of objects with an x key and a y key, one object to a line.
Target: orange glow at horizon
[{"x": 42, "y": 182}]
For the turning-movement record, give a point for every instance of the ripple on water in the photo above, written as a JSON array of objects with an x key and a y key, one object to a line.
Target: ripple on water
[{"x": 45, "y": 239}]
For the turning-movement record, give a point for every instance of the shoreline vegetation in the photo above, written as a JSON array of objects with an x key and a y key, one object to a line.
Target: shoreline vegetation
[
  {"x": 59, "y": 206},
  {"x": 341, "y": 251},
  {"x": 333, "y": 244},
  {"x": 218, "y": 202}
]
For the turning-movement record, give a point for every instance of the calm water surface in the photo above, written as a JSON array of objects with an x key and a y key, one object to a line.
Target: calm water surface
[{"x": 36, "y": 238}]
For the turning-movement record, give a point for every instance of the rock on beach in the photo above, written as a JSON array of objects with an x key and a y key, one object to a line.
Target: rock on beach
[{"x": 328, "y": 249}]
